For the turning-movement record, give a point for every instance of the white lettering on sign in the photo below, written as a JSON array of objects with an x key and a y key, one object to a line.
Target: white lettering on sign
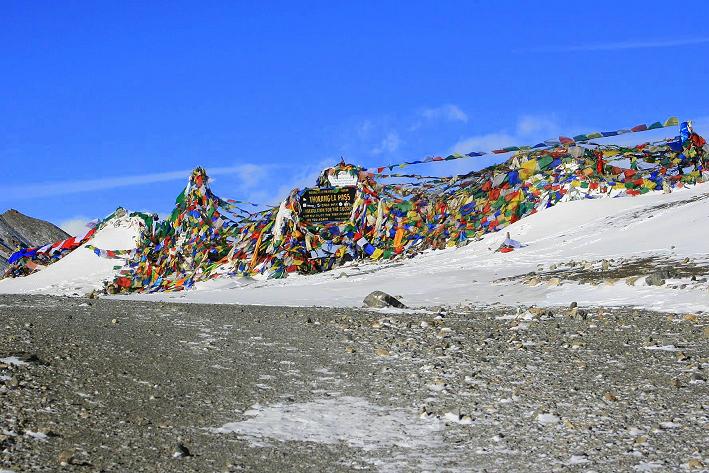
[{"x": 342, "y": 179}]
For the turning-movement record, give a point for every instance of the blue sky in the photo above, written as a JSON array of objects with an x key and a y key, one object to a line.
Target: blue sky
[{"x": 112, "y": 103}]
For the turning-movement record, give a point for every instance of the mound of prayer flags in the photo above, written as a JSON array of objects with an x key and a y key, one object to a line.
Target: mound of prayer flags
[
  {"x": 397, "y": 220},
  {"x": 207, "y": 236}
]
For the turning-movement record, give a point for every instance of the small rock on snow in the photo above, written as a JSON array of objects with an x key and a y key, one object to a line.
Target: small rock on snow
[{"x": 381, "y": 299}]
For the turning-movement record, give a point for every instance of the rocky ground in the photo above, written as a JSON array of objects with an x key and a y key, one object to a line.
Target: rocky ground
[
  {"x": 650, "y": 271},
  {"x": 99, "y": 385}
]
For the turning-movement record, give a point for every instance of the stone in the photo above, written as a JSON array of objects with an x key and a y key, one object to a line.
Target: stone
[
  {"x": 554, "y": 281},
  {"x": 691, "y": 318},
  {"x": 444, "y": 332},
  {"x": 47, "y": 431},
  {"x": 381, "y": 352},
  {"x": 537, "y": 311},
  {"x": 631, "y": 280},
  {"x": 577, "y": 313},
  {"x": 533, "y": 281},
  {"x": 654, "y": 279},
  {"x": 695, "y": 464},
  {"x": 605, "y": 265},
  {"x": 379, "y": 299},
  {"x": 181, "y": 451},
  {"x": 66, "y": 457}
]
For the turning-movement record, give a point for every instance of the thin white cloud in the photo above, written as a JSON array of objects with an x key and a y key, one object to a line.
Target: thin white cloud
[
  {"x": 303, "y": 176},
  {"x": 620, "y": 45},
  {"x": 250, "y": 173},
  {"x": 364, "y": 129},
  {"x": 484, "y": 142},
  {"x": 530, "y": 128},
  {"x": 389, "y": 144},
  {"x": 536, "y": 125},
  {"x": 448, "y": 112}
]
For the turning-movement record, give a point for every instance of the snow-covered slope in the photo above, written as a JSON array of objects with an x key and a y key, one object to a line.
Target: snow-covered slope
[
  {"x": 81, "y": 270},
  {"x": 664, "y": 226}
]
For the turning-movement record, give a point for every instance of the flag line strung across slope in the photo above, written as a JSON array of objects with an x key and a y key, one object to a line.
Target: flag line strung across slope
[{"x": 563, "y": 140}]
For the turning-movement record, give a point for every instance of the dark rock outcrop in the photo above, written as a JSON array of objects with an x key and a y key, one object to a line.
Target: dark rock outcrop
[{"x": 19, "y": 229}]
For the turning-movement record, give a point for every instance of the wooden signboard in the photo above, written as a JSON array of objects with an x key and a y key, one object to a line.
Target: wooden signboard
[{"x": 327, "y": 205}]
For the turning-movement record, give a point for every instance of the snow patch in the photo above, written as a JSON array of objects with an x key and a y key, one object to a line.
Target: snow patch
[
  {"x": 578, "y": 460},
  {"x": 351, "y": 420},
  {"x": 13, "y": 360},
  {"x": 36, "y": 435},
  {"x": 662, "y": 348},
  {"x": 457, "y": 418},
  {"x": 645, "y": 467}
]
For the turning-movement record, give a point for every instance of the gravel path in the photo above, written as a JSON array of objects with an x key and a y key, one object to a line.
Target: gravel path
[{"x": 99, "y": 385}]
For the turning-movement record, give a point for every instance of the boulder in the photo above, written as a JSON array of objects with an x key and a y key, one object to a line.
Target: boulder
[
  {"x": 379, "y": 299},
  {"x": 655, "y": 279},
  {"x": 631, "y": 280}
]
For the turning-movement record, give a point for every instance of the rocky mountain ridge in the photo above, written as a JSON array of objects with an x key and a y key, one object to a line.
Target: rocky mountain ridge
[{"x": 19, "y": 229}]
